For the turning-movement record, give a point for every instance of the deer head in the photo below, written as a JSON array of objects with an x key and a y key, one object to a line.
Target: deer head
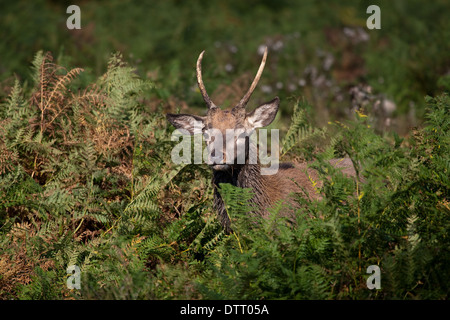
[{"x": 227, "y": 132}]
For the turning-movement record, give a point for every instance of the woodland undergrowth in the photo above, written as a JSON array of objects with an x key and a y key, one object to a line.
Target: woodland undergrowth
[{"x": 86, "y": 179}]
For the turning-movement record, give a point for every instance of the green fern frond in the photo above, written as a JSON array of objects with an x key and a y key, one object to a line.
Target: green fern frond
[
  {"x": 299, "y": 130},
  {"x": 145, "y": 201}
]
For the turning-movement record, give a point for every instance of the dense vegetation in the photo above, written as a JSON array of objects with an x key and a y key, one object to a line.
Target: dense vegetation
[{"x": 86, "y": 176}]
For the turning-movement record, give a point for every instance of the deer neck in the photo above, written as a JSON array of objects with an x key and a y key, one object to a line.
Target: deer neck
[{"x": 243, "y": 176}]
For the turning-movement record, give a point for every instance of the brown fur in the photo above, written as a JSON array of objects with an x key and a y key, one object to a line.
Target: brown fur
[
  {"x": 283, "y": 187},
  {"x": 287, "y": 181}
]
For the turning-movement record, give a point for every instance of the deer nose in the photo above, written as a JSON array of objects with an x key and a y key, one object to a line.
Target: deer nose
[
  {"x": 217, "y": 161},
  {"x": 216, "y": 157},
  {"x": 220, "y": 167}
]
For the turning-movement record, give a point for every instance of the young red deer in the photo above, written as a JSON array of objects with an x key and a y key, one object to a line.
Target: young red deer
[{"x": 267, "y": 189}]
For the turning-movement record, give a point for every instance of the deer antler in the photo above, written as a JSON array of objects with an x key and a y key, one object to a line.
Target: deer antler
[
  {"x": 245, "y": 99},
  {"x": 201, "y": 86}
]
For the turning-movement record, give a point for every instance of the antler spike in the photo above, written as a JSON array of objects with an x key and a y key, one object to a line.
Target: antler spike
[
  {"x": 201, "y": 86},
  {"x": 246, "y": 98}
]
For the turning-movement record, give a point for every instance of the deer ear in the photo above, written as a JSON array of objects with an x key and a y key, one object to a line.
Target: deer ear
[
  {"x": 192, "y": 124},
  {"x": 264, "y": 114}
]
